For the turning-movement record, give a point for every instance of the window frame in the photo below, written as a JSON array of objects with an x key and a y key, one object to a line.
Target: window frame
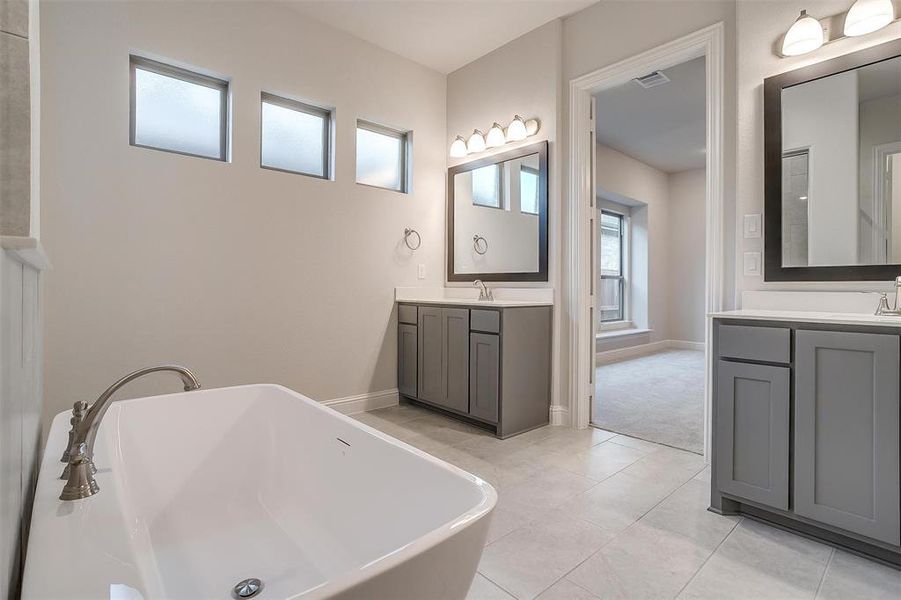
[
  {"x": 222, "y": 85},
  {"x": 404, "y": 154},
  {"x": 623, "y": 318},
  {"x": 537, "y": 174},
  {"x": 310, "y": 109},
  {"x": 498, "y": 187}
]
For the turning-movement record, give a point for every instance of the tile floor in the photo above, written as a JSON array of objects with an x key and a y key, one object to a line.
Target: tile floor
[{"x": 590, "y": 514}]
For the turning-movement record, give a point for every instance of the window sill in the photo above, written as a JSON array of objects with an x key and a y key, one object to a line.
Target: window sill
[{"x": 604, "y": 335}]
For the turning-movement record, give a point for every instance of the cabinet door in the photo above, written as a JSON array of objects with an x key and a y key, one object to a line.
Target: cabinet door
[
  {"x": 846, "y": 431},
  {"x": 407, "y": 359},
  {"x": 484, "y": 375},
  {"x": 431, "y": 384},
  {"x": 456, "y": 340},
  {"x": 752, "y": 431}
]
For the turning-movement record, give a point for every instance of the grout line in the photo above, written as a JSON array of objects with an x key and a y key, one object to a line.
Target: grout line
[
  {"x": 823, "y": 576},
  {"x": 709, "y": 556},
  {"x": 499, "y": 586}
]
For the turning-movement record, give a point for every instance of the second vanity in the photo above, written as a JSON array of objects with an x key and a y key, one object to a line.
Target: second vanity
[
  {"x": 484, "y": 362},
  {"x": 806, "y": 425}
]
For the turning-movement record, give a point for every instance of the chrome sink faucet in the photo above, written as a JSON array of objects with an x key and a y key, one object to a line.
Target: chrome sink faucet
[
  {"x": 79, "y": 473},
  {"x": 485, "y": 292},
  {"x": 883, "y": 309}
]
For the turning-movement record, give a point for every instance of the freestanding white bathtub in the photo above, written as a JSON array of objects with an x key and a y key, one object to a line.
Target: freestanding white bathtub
[{"x": 200, "y": 490}]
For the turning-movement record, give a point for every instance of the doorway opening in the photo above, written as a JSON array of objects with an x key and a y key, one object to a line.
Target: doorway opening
[{"x": 630, "y": 305}]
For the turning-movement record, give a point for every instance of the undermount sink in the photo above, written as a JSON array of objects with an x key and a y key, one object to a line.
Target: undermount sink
[{"x": 202, "y": 490}]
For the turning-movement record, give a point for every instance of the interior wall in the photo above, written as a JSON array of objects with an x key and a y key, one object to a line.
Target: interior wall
[
  {"x": 241, "y": 273},
  {"x": 15, "y": 119},
  {"x": 625, "y": 176},
  {"x": 759, "y": 27},
  {"x": 522, "y": 77},
  {"x": 687, "y": 255}
]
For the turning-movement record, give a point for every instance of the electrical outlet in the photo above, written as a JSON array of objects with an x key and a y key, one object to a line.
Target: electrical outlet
[
  {"x": 752, "y": 264},
  {"x": 420, "y": 271}
]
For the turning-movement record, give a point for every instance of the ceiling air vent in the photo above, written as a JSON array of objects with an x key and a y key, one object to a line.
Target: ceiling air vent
[{"x": 652, "y": 80}]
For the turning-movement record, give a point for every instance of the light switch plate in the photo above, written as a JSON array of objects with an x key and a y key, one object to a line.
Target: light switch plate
[
  {"x": 752, "y": 226},
  {"x": 752, "y": 264},
  {"x": 420, "y": 271}
]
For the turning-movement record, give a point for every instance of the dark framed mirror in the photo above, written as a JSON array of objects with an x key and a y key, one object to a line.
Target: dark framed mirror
[
  {"x": 497, "y": 217},
  {"x": 832, "y": 158}
]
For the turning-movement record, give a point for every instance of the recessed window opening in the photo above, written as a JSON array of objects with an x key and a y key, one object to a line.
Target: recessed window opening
[
  {"x": 295, "y": 137},
  {"x": 383, "y": 157},
  {"x": 177, "y": 110}
]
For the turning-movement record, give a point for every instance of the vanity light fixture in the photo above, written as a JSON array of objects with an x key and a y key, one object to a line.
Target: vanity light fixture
[
  {"x": 476, "y": 142},
  {"x": 495, "y": 137},
  {"x": 805, "y": 35},
  {"x": 516, "y": 130},
  {"x": 458, "y": 147},
  {"x": 867, "y": 16}
]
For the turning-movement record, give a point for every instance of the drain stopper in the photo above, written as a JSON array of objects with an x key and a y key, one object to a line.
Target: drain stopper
[{"x": 248, "y": 588}]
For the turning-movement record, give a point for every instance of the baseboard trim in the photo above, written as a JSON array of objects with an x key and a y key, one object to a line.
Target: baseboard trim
[
  {"x": 351, "y": 405},
  {"x": 612, "y": 356},
  {"x": 560, "y": 415}
]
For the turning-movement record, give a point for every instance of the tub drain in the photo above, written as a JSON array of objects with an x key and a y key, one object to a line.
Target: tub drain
[{"x": 248, "y": 588}]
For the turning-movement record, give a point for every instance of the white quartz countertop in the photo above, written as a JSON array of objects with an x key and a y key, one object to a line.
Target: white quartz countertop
[
  {"x": 478, "y": 303},
  {"x": 804, "y": 316},
  {"x": 503, "y": 297}
]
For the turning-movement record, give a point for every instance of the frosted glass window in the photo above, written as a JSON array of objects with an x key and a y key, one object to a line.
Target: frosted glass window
[
  {"x": 177, "y": 110},
  {"x": 486, "y": 186},
  {"x": 381, "y": 157},
  {"x": 294, "y": 137},
  {"x": 528, "y": 191}
]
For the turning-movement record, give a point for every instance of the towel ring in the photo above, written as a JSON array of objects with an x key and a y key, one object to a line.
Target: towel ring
[
  {"x": 407, "y": 233},
  {"x": 475, "y": 244}
]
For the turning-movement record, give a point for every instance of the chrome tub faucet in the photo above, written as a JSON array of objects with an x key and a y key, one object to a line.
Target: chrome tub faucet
[{"x": 79, "y": 454}]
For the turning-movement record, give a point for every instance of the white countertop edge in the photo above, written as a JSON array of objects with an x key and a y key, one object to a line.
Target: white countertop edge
[
  {"x": 475, "y": 302},
  {"x": 809, "y": 317},
  {"x": 27, "y": 250}
]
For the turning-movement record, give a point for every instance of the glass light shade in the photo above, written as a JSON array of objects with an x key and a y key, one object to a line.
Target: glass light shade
[
  {"x": 805, "y": 35},
  {"x": 532, "y": 126},
  {"x": 516, "y": 131},
  {"x": 495, "y": 136},
  {"x": 458, "y": 147},
  {"x": 866, "y": 16},
  {"x": 476, "y": 142}
]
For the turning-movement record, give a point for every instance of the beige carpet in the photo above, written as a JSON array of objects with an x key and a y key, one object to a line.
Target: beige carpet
[{"x": 659, "y": 397}]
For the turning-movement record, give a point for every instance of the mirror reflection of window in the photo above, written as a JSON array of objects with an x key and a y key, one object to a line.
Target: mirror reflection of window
[
  {"x": 486, "y": 188},
  {"x": 612, "y": 278},
  {"x": 795, "y": 205},
  {"x": 528, "y": 190}
]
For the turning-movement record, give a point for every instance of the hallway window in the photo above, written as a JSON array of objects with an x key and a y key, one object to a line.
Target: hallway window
[
  {"x": 612, "y": 285},
  {"x": 177, "y": 110},
  {"x": 528, "y": 190}
]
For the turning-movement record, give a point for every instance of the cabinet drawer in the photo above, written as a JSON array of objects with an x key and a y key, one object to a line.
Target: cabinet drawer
[
  {"x": 485, "y": 320},
  {"x": 406, "y": 313},
  {"x": 769, "y": 344}
]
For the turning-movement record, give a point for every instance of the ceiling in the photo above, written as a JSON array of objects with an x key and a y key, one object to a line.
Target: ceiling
[
  {"x": 441, "y": 34},
  {"x": 664, "y": 126}
]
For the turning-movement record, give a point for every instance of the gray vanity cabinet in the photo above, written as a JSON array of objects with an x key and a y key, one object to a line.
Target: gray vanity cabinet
[
  {"x": 444, "y": 357},
  {"x": 753, "y": 431},
  {"x": 484, "y": 375},
  {"x": 487, "y": 365},
  {"x": 846, "y": 446},
  {"x": 407, "y": 359}
]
